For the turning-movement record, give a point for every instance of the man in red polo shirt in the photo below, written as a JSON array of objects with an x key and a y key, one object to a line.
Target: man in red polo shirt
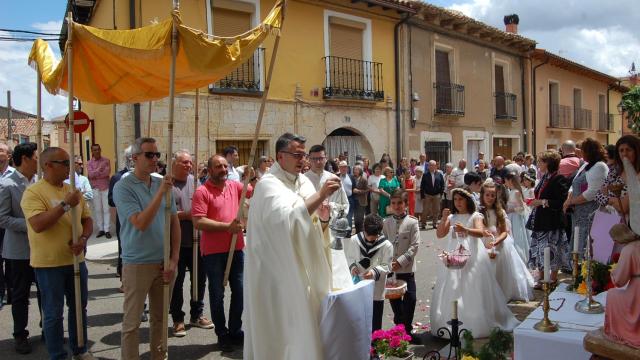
[{"x": 214, "y": 208}]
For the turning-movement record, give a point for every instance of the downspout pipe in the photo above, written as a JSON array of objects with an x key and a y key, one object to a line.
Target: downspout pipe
[
  {"x": 396, "y": 46},
  {"x": 533, "y": 96},
  {"x": 136, "y": 106},
  {"x": 524, "y": 108}
]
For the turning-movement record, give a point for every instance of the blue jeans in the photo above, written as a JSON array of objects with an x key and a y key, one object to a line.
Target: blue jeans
[
  {"x": 214, "y": 265},
  {"x": 56, "y": 284}
]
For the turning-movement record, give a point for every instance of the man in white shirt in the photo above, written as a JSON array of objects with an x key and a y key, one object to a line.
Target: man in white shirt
[
  {"x": 82, "y": 182},
  {"x": 459, "y": 172},
  {"x": 231, "y": 154},
  {"x": 318, "y": 176}
]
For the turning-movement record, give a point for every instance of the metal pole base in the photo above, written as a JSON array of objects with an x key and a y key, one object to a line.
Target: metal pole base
[
  {"x": 545, "y": 325},
  {"x": 587, "y": 306}
]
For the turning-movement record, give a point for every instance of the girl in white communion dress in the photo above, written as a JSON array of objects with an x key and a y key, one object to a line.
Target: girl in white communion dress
[
  {"x": 511, "y": 272},
  {"x": 481, "y": 303}
]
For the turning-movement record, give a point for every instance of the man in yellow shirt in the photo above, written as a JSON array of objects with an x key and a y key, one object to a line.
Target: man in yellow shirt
[{"x": 47, "y": 207}]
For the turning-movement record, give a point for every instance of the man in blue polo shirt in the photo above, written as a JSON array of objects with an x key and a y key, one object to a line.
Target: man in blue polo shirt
[{"x": 140, "y": 201}]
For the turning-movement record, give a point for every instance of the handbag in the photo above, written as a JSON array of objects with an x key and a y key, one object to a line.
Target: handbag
[{"x": 603, "y": 221}]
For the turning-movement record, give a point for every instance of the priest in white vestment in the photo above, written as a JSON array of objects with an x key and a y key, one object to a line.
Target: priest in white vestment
[{"x": 287, "y": 265}]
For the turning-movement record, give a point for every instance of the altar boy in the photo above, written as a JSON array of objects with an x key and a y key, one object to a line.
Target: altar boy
[
  {"x": 369, "y": 257},
  {"x": 403, "y": 232}
]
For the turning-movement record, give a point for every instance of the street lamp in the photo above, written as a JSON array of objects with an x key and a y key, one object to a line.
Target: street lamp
[{"x": 621, "y": 108}]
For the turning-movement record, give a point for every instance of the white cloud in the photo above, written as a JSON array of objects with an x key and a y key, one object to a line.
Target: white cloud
[
  {"x": 48, "y": 27},
  {"x": 595, "y": 33},
  {"x": 20, "y": 79}
]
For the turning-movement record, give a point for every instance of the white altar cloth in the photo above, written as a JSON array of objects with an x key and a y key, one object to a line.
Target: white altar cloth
[
  {"x": 345, "y": 324},
  {"x": 566, "y": 343}
]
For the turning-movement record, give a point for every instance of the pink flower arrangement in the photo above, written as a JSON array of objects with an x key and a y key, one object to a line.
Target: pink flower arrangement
[{"x": 392, "y": 342}]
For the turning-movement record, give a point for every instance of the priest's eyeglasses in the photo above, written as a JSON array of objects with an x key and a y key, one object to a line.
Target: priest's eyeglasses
[{"x": 297, "y": 156}]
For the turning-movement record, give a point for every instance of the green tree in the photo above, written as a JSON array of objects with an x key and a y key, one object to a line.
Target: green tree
[{"x": 631, "y": 106}]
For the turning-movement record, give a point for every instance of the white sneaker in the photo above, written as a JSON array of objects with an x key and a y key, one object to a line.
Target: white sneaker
[{"x": 84, "y": 356}]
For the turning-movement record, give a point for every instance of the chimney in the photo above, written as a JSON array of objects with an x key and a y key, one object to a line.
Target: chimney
[{"x": 511, "y": 23}]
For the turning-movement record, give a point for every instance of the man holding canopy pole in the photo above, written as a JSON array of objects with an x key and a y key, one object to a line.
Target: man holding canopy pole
[
  {"x": 140, "y": 201},
  {"x": 47, "y": 206}
]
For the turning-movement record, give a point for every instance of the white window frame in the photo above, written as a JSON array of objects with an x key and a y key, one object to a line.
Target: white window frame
[
  {"x": 367, "y": 42},
  {"x": 255, "y": 21}
]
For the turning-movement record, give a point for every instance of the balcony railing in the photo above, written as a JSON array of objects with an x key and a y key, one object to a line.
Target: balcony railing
[
  {"x": 605, "y": 122},
  {"x": 449, "y": 99},
  {"x": 506, "y": 106},
  {"x": 581, "y": 119},
  {"x": 351, "y": 79},
  {"x": 245, "y": 79},
  {"x": 559, "y": 116}
]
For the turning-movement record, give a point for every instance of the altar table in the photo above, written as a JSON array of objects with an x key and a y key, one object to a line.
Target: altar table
[{"x": 564, "y": 344}]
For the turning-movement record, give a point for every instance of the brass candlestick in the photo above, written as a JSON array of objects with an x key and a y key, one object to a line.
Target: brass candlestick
[
  {"x": 545, "y": 325},
  {"x": 575, "y": 266},
  {"x": 588, "y": 305}
]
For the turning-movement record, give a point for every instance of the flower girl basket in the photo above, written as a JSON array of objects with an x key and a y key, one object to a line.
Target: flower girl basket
[
  {"x": 394, "y": 288},
  {"x": 456, "y": 259}
]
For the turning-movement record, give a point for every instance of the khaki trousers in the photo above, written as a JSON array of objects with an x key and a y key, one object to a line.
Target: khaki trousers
[
  {"x": 138, "y": 281},
  {"x": 431, "y": 208}
]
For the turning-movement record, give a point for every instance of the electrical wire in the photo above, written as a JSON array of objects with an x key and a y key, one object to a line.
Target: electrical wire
[{"x": 29, "y": 32}]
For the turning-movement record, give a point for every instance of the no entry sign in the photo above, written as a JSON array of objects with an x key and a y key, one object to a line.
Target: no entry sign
[{"x": 80, "y": 122}]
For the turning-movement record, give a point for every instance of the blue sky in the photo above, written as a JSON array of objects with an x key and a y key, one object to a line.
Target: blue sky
[{"x": 598, "y": 34}]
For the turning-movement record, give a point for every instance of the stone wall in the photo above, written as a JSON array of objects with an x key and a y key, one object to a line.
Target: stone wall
[{"x": 234, "y": 118}]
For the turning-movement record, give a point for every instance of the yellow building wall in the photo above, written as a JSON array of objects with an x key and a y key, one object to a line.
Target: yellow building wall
[
  {"x": 545, "y": 135},
  {"x": 299, "y": 56}
]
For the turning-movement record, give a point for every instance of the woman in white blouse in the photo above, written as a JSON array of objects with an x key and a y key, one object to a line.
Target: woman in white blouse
[{"x": 584, "y": 188}]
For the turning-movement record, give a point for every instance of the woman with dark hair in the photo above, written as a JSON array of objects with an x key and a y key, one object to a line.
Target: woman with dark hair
[
  {"x": 546, "y": 220},
  {"x": 480, "y": 300},
  {"x": 627, "y": 146},
  {"x": 511, "y": 272},
  {"x": 584, "y": 188},
  {"x": 610, "y": 152},
  {"x": 387, "y": 160}
]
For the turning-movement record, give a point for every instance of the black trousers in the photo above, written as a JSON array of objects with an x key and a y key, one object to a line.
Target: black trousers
[
  {"x": 378, "y": 308},
  {"x": 404, "y": 308},
  {"x": 3, "y": 283},
  {"x": 197, "y": 305},
  {"x": 22, "y": 278}
]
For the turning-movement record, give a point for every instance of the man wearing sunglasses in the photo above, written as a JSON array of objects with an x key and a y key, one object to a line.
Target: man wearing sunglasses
[
  {"x": 287, "y": 259},
  {"x": 140, "y": 202},
  {"x": 47, "y": 207}
]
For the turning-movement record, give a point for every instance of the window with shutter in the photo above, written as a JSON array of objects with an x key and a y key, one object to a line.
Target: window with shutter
[
  {"x": 443, "y": 80},
  {"x": 230, "y": 22},
  {"x": 501, "y": 100},
  {"x": 345, "y": 41}
]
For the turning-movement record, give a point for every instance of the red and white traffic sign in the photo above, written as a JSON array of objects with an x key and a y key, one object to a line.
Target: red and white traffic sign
[{"x": 80, "y": 122}]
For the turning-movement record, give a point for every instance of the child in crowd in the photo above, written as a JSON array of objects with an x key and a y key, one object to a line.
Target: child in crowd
[
  {"x": 511, "y": 272},
  {"x": 403, "y": 232},
  {"x": 481, "y": 303},
  {"x": 369, "y": 257}
]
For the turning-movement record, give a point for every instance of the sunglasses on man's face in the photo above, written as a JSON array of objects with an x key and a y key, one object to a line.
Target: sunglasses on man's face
[
  {"x": 151, "y": 154},
  {"x": 61, "y": 162}
]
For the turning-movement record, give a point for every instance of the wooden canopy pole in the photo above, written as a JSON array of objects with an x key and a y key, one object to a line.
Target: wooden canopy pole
[
  {"x": 196, "y": 234},
  {"x": 39, "y": 119},
  {"x": 72, "y": 181},
  {"x": 254, "y": 146},
  {"x": 167, "y": 208},
  {"x": 149, "y": 120}
]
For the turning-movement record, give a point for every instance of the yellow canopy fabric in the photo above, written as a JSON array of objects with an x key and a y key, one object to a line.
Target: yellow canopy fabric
[{"x": 129, "y": 66}]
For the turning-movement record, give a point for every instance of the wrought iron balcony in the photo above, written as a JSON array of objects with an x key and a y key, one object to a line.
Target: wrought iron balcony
[
  {"x": 449, "y": 99},
  {"x": 351, "y": 79},
  {"x": 559, "y": 116},
  {"x": 581, "y": 119},
  {"x": 245, "y": 79},
  {"x": 506, "y": 108},
  {"x": 605, "y": 122}
]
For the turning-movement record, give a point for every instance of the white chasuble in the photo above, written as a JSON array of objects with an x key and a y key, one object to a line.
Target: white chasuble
[{"x": 287, "y": 271}]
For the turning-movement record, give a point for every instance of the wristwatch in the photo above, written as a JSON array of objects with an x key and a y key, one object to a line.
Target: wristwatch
[{"x": 66, "y": 207}]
